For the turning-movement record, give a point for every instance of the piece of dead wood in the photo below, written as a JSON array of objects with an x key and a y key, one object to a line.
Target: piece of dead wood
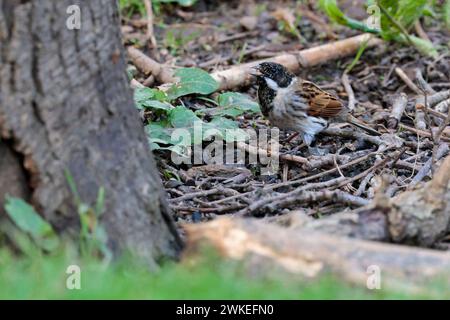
[
  {"x": 416, "y": 217},
  {"x": 420, "y": 132},
  {"x": 264, "y": 247},
  {"x": 423, "y": 84},
  {"x": 399, "y": 71},
  {"x": 398, "y": 108},
  {"x": 284, "y": 157},
  {"x": 443, "y": 106},
  {"x": 134, "y": 84},
  {"x": 348, "y": 88},
  {"x": 433, "y": 99},
  {"x": 421, "y": 216},
  {"x": 148, "y": 66},
  {"x": 213, "y": 170},
  {"x": 420, "y": 121},
  {"x": 435, "y": 113},
  {"x": 239, "y": 75},
  {"x": 441, "y": 151}
]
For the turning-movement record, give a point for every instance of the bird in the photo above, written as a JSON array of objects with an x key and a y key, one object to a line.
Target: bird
[{"x": 292, "y": 103}]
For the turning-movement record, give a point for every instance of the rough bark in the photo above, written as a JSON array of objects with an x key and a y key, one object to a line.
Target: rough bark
[
  {"x": 66, "y": 106},
  {"x": 12, "y": 173}
]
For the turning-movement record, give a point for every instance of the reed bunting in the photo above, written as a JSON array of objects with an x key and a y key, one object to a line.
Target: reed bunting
[{"x": 291, "y": 103}]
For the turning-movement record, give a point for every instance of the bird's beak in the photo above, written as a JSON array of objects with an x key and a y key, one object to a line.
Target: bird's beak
[{"x": 254, "y": 71}]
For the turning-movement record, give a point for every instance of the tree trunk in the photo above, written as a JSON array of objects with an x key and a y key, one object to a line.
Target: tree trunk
[{"x": 65, "y": 106}]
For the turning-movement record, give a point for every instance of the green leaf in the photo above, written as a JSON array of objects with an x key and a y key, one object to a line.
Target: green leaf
[
  {"x": 238, "y": 100},
  {"x": 28, "y": 220},
  {"x": 332, "y": 10},
  {"x": 404, "y": 12},
  {"x": 192, "y": 80},
  {"x": 425, "y": 47},
  {"x": 409, "y": 11},
  {"x": 228, "y": 129},
  {"x": 181, "y": 117},
  {"x": 232, "y": 104},
  {"x": 446, "y": 13},
  {"x": 158, "y": 134},
  {"x": 334, "y": 13},
  {"x": 157, "y": 105},
  {"x": 150, "y": 98}
]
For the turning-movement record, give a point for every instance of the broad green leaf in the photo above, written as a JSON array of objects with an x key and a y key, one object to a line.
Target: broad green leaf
[
  {"x": 29, "y": 221},
  {"x": 155, "y": 104},
  {"x": 232, "y": 104},
  {"x": 145, "y": 97},
  {"x": 158, "y": 133},
  {"x": 181, "y": 117},
  {"x": 332, "y": 10},
  {"x": 409, "y": 11},
  {"x": 187, "y": 129},
  {"x": 404, "y": 12},
  {"x": 228, "y": 129},
  {"x": 192, "y": 80},
  {"x": 238, "y": 100}
]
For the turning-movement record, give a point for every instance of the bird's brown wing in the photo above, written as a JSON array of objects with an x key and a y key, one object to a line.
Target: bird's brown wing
[{"x": 321, "y": 103}]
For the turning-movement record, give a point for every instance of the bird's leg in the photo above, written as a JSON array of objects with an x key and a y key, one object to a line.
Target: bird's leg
[{"x": 292, "y": 137}]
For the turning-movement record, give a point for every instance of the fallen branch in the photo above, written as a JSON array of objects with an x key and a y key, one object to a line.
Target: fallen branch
[
  {"x": 148, "y": 66},
  {"x": 240, "y": 75},
  {"x": 420, "y": 132},
  {"x": 265, "y": 247},
  {"x": 284, "y": 157},
  {"x": 426, "y": 168},
  {"x": 433, "y": 112},
  {"x": 421, "y": 217},
  {"x": 399, "y": 71},
  {"x": 423, "y": 84},
  {"x": 443, "y": 106},
  {"x": 397, "y": 110}
]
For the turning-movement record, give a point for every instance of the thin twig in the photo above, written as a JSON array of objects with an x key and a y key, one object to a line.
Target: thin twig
[
  {"x": 398, "y": 108},
  {"x": 150, "y": 33},
  {"x": 349, "y": 90},
  {"x": 399, "y": 71}
]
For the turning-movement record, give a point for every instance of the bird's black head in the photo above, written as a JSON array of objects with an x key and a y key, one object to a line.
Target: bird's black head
[{"x": 275, "y": 75}]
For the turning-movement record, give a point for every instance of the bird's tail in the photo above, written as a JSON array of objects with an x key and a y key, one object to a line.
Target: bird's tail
[{"x": 357, "y": 123}]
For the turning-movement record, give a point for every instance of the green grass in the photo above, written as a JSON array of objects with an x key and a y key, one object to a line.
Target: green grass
[
  {"x": 130, "y": 7},
  {"x": 44, "y": 277}
]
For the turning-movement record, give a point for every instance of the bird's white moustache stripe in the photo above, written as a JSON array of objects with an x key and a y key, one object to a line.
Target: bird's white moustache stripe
[{"x": 272, "y": 84}]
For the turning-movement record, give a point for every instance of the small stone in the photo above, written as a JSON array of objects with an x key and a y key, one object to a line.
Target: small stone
[{"x": 249, "y": 22}]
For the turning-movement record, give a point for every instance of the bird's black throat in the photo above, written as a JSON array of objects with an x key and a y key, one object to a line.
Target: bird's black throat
[{"x": 265, "y": 96}]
